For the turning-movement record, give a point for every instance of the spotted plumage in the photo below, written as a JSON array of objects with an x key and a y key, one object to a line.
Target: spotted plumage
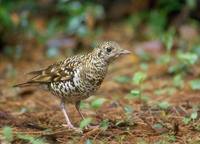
[{"x": 77, "y": 77}]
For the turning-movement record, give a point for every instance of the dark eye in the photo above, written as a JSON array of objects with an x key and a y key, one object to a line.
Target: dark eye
[{"x": 109, "y": 49}]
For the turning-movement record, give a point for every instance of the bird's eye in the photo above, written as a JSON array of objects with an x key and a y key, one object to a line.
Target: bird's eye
[{"x": 109, "y": 49}]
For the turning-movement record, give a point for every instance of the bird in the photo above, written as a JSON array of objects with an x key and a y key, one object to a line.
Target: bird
[{"x": 77, "y": 77}]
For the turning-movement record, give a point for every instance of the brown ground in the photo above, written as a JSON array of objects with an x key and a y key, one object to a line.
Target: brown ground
[{"x": 36, "y": 113}]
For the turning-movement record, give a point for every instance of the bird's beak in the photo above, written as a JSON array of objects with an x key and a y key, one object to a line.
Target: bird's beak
[{"x": 123, "y": 52}]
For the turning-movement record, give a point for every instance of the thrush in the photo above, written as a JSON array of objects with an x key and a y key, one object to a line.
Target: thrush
[{"x": 77, "y": 77}]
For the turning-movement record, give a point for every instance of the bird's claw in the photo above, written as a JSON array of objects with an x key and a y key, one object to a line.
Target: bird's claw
[{"x": 73, "y": 128}]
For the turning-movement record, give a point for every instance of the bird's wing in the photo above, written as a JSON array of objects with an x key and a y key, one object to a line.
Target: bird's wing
[
  {"x": 61, "y": 71},
  {"x": 53, "y": 74}
]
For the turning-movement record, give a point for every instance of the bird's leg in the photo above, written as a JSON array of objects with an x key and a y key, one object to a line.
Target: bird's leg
[
  {"x": 77, "y": 105},
  {"x": 69, "y": 124}
]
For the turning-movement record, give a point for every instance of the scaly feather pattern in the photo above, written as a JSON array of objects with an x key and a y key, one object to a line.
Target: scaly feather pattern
[{"x": 77, "y": 77}]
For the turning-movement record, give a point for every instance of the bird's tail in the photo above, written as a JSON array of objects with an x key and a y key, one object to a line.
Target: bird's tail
[
  {"x": 31, "y": 82},
  {"x": 25, "y": 84}
]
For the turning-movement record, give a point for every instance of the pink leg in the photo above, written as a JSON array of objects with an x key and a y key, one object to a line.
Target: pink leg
[{"x": 63, "y": 108}]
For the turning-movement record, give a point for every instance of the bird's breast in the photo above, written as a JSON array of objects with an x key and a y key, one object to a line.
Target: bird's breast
[
  {"x": 77, "y": 77},
  {"x": 94, "y": 77},
  {"x": 83, "y": 84}
]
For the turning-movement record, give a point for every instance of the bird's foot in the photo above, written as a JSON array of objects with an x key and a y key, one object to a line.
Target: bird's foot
[{"x": 73, "y": 128}]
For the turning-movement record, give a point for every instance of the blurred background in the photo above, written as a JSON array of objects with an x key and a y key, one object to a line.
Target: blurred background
[
  {"x": 163, "y": 69},
  {"x": 49, "y": 28}
]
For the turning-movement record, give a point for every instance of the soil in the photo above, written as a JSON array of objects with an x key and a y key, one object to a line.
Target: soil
[{"x": 33, "y": 112}]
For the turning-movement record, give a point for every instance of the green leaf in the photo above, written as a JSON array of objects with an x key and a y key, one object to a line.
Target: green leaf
[
  {"x": 104, "y": 124},
  {"x": 135, "y": 93},
  {"x": 31, "y": 139},
  {"x": 194, "y": 115},
  {"x": 195, "y": 84},
  {"x": 139, "y": 77},
  {"x": 178, "y": 81},
  {"x": 84, "y": 105},
  {"x": 164, "y": 105},
  {"x": 8, "y": 134},
  {"x": 186, "y": 120},
  {"x": 85, "y": 122},
  {"x": 97, "y": 103},
  {"x": 187, "y": 58}
]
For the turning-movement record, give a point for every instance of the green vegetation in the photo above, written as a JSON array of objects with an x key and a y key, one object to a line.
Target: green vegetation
[
  {"x": 148, "y": 98},
  {"x": 97, "y": 103},
  {"x": 164, "y": 105},
  {"x": 8, "y": 137},
  {"x": 8, "y": 134},
  {"x": 138, "y": 80},
  {"x": 84, "y": 123},
  {"x": 29, "y": 21},
  {"x": 195, "y": 84}
]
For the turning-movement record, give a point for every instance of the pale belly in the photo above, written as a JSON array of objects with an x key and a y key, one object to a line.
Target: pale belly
[
  {"x": 77, "y": 88},
  {"x": 71, "y": 93}
]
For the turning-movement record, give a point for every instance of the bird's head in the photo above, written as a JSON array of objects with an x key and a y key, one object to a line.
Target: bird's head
[{"x": 109, "y": 51}]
